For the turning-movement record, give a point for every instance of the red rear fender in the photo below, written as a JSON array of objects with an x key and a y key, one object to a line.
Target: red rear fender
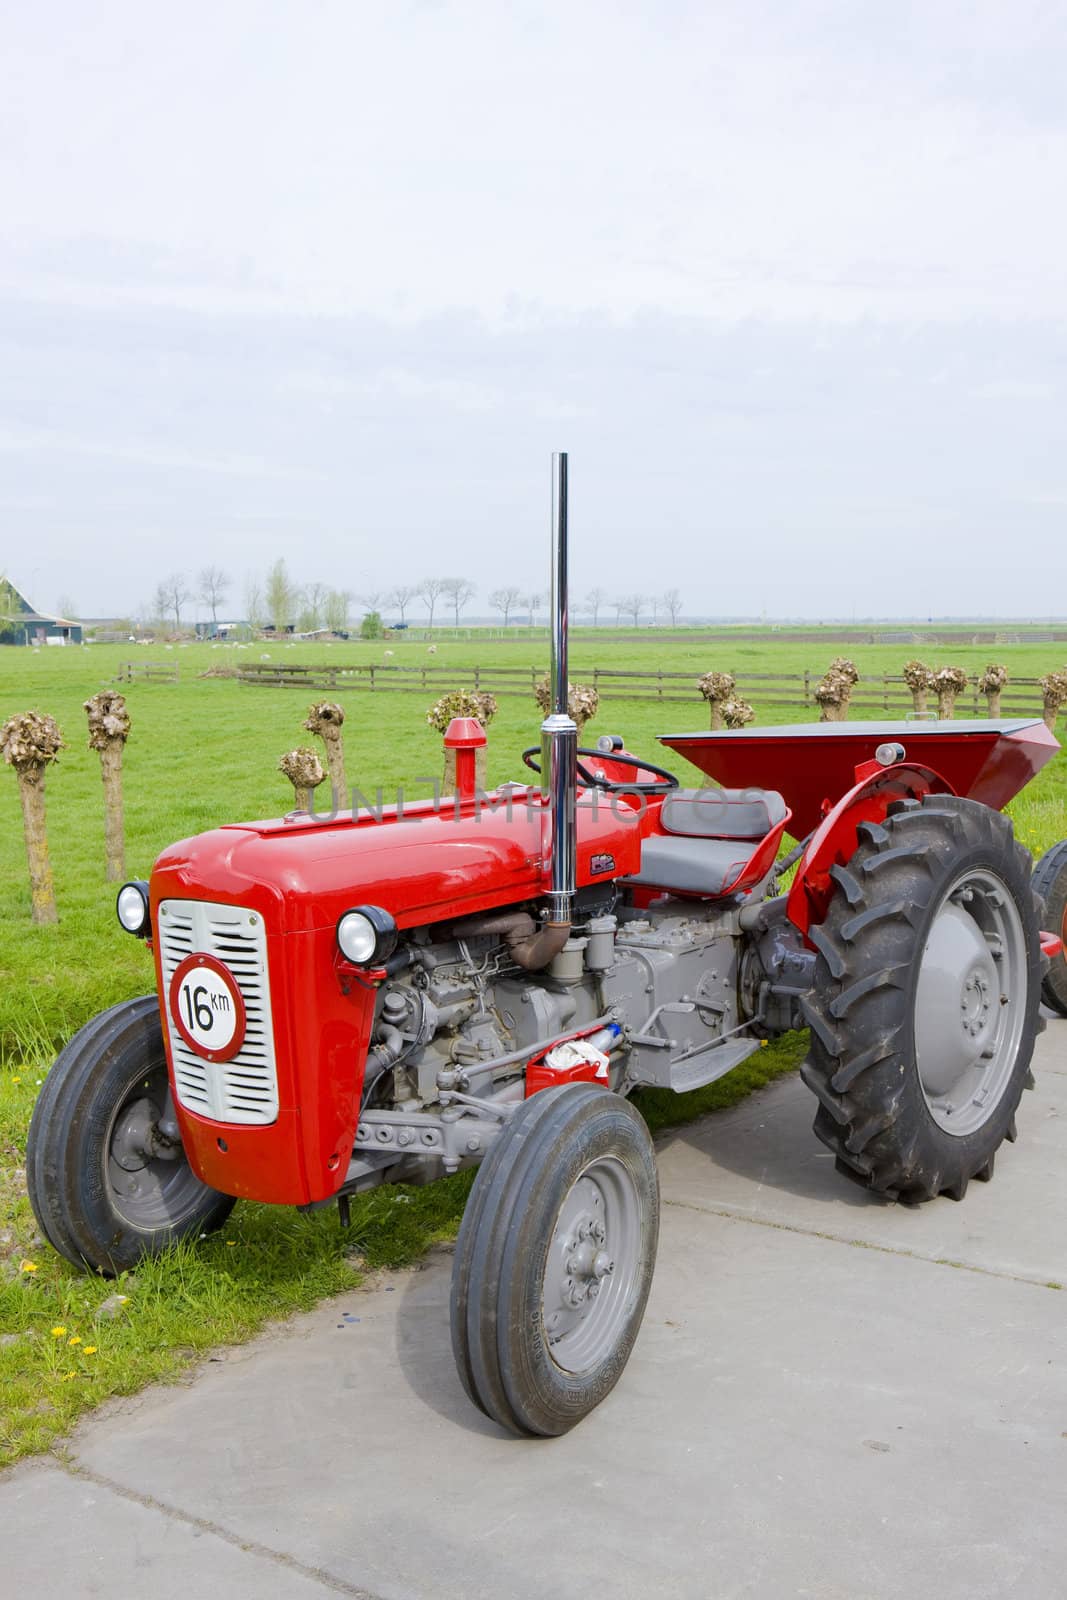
[{"x": 834, "y": 841}]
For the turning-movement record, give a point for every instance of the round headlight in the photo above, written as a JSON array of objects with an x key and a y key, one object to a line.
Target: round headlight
[
  {"x": 131, "y": 908},
  {"x": 365, "y": 935}
]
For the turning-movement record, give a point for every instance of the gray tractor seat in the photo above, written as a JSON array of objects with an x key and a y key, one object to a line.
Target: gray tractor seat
[{"x": 710, "y": 836}]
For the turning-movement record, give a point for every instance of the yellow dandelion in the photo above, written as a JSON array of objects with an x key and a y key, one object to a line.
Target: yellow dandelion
[
  {"x": 27, "y": 1266},
  {"x": 88, "y": 1349},
  {"x": 16, "y": 1080},
  {"x": 67, "y": 1377},
  {"x": 75, "y": 1338},
  {"x": 58, "y": 1333},
  {"x": 231, "y": 1243}
]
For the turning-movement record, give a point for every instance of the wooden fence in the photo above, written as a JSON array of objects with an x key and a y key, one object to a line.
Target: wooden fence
[
  {"x": 878, "y": 694},
  {"x": 147, "y": 672}
]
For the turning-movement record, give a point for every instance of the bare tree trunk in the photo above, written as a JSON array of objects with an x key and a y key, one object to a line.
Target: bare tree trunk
[
  {"x": 42, "y": 887},
  {"x": 109, "y": 728},
  {"x": 918, "y": 701},
  {"x": 946, "y": 704},
  {"x": 326, "y": 719},
  {"x": 114, "y": 820},
  {"x": 333, "y": 739},
  {"x": 1050, "y": 712},
  {"x": 992, "y": 701},
  {"x": 716, "y": 715},
  {"x": 832, "y": 713}
]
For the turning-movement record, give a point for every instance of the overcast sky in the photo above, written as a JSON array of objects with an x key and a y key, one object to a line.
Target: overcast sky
[{"x": 330, "y": 281}]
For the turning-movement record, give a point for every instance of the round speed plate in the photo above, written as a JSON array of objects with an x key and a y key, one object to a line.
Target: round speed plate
[{"x": 207, "y": 1008}]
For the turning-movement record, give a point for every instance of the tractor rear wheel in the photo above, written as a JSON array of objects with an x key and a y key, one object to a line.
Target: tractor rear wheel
[
  {"x": 554, "y": 1259},
  {"x": 1050, "y": 883},
  {"x": 109, "y": 1184},
  {"x": 925, "y": 1006}
]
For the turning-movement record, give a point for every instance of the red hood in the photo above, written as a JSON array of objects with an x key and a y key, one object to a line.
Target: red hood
[{"x": 425, "y": 865}]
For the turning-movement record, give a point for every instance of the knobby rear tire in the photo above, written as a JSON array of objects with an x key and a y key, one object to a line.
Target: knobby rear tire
[
  {"x": 1050, "y": 885},
  {"x": 874, "y": 1113}
]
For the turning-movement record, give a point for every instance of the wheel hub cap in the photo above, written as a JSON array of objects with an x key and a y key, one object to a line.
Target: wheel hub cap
[
  {"x": 592, "y": 1264},
  {"x": 970, "y": 1002}
]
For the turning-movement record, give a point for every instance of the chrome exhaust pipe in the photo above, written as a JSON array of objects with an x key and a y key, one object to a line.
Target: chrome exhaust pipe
[{"x": 559, "y": 731}]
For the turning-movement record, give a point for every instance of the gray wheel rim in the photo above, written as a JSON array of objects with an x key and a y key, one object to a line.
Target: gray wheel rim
[
  {"x": 970, "y": 1003},
  {"x": 149, "y": 1189},
  {"x": 592, "y": 1268}
]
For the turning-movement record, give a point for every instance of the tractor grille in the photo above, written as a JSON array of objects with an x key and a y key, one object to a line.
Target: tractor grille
[{"x": 245, "y": 1088}]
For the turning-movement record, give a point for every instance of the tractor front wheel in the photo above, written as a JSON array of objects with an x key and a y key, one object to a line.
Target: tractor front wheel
[
  {"x": 554, "y": 1259},
  {"x": 108, "y": 1179},
  {"x": 925, "y": 1007}
]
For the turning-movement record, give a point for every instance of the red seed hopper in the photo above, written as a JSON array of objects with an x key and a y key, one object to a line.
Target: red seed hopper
[{"x": 810, "y": 764}]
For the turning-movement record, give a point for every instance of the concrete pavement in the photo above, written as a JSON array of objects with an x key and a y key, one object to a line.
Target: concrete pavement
[{"x": 830, "y": 1397}]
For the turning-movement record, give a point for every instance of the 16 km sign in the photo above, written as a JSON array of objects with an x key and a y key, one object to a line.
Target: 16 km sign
[{"x": 207, "y": 1007}]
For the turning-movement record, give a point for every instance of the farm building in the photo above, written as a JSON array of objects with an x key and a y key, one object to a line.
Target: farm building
[{"x": 21, "y": 623}]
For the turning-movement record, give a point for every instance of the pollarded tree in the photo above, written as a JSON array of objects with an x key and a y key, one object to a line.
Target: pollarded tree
[
  {"x": 991, "y": 684},
  {"x": 737, "y": 713},
  {"x": 476, "y": 703},
  {"x": 326, "y": 718},
  {"x": 949, "y": 683},
  {"x": 717, "y": 688},
  {"x": 832, "y": 696},
  {"x": 583, "y": 700},
  {"x": 835, "y": 691},
  {"x": 109, "y": 728},
  {"x": 1053, "y": 693},
  {"x": 920, "y": 680},
  {"x": 29, "y": 743},
  {"x": 305, "y": 772}
]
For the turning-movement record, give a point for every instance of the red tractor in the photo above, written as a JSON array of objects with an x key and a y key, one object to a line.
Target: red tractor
[{"x": 388, "y": 995}]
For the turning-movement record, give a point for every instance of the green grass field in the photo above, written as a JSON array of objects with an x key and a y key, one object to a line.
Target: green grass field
[{"x": 204, "y": 751}]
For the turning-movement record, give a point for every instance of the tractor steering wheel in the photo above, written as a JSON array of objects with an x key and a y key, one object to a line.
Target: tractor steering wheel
[{"x": 594, "y": 780}]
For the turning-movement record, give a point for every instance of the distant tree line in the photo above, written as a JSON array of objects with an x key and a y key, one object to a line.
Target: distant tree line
[
  {"x": 276, "y": 600},
  {"x": 513, "y": 602}
]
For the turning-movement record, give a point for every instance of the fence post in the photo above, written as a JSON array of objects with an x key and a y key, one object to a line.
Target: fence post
[{"x": 807, "y": 687}]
